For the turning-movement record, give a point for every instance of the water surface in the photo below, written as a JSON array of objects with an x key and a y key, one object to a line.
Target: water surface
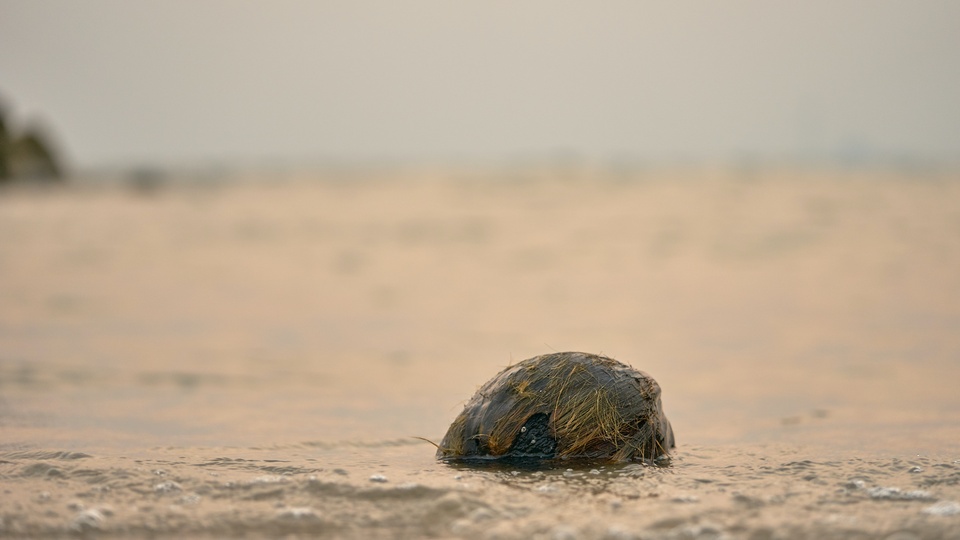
[{"x": 254, "y": 357}]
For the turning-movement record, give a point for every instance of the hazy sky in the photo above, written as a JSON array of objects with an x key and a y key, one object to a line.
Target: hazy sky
[{"x": 199, "y": 81}]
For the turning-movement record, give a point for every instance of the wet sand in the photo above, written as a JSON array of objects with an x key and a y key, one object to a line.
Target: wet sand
[{"x": 252, "y": 357}]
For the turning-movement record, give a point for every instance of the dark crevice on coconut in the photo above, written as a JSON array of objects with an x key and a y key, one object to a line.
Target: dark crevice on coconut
[
  {"x": 562, "y": 406},
  {"x": 535, "y": 439}
]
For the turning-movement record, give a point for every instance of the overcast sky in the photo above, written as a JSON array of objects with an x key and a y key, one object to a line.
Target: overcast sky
[{"x": 127, "y": 82}]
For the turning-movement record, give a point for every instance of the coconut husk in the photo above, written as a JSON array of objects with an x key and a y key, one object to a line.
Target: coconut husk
[{"x": 562, "y": 406}]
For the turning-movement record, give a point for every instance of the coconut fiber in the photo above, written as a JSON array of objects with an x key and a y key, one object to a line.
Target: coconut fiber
[{"x": 562, "y": 406}]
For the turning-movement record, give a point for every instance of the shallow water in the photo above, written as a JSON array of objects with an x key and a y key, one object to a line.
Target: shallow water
[{"x": 253, "y": 357}]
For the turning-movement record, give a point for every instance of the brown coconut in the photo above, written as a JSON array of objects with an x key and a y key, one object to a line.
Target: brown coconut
[{"x": 562, "y": 406}]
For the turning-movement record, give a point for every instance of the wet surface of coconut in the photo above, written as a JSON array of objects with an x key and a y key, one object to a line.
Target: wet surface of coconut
[{"x": 566, "y": 405}]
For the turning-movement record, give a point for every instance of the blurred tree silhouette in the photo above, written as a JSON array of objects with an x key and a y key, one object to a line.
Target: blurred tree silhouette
[{"x": 26, "y": 155}]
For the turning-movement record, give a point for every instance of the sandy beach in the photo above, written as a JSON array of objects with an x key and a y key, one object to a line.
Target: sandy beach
[{"x": 253, "y": 356}]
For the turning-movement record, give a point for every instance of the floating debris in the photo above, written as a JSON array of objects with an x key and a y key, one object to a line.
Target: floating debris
[{"x": 562, "y": 405}]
